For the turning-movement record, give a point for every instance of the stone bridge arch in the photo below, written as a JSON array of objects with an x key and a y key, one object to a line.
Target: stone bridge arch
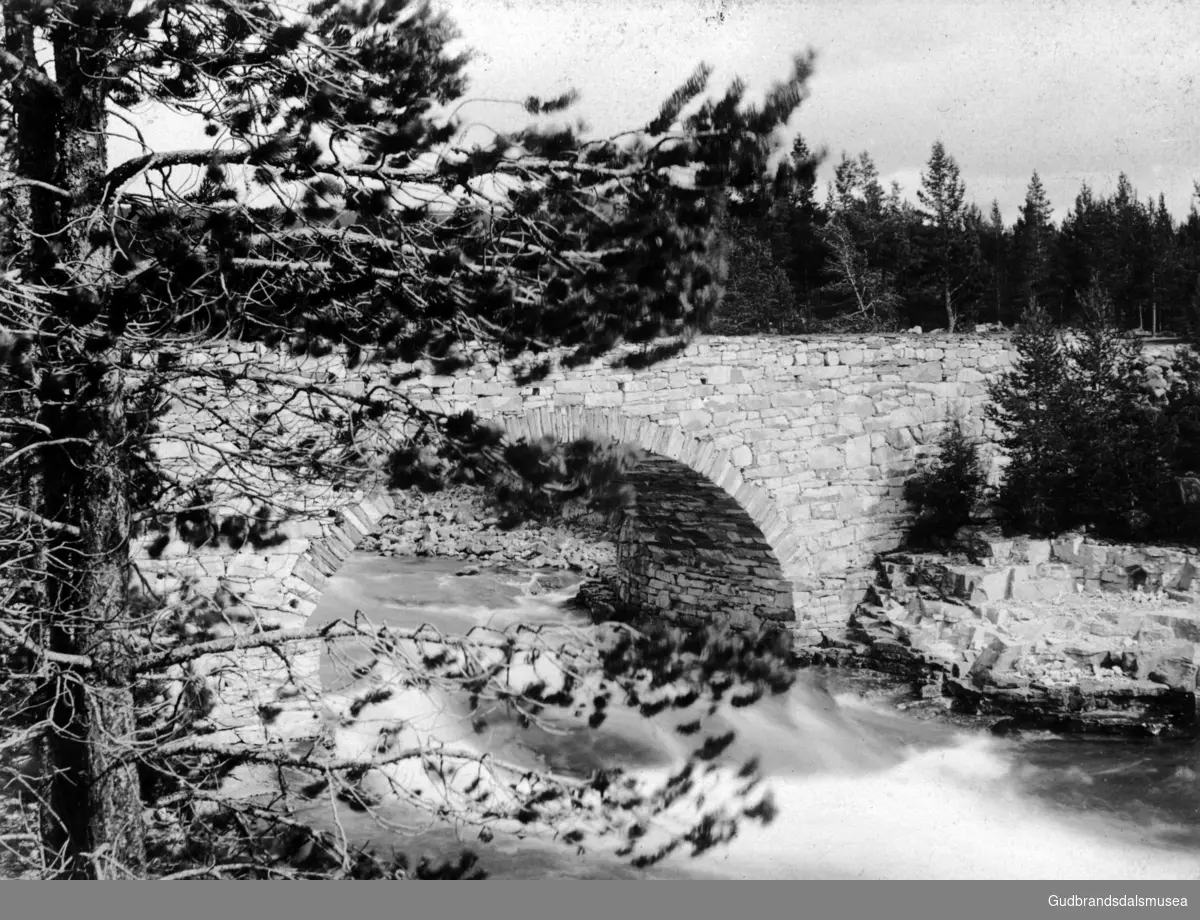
[
  {"x": 701, "y": 541},
  {"x": 799, "y": 446}
]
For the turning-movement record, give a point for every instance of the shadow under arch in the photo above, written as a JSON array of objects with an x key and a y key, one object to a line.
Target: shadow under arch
[{"x": 701, "y": 543}]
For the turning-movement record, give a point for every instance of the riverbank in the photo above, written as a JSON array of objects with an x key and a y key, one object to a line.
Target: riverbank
[{"x": 1072, "y": 635}]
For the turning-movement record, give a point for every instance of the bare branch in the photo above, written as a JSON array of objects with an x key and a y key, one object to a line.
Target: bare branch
[
  {"x": 28, "y": 517},
  {"x": 80, "y": 662}
]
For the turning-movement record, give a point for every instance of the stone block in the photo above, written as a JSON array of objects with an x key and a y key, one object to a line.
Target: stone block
[
  {"x": 1031, "y": 552},
  {"x": 1066, "y": 548},
  {"x": 1028, "y": 586},
  {"x": 994, "y": 614},
  {"x": 1104, "y": 628},
  {"x": 943, "y": 610},
  {"x": 1174, "y": 665},
  {"x": 1187, "y": 576},
  {"x": 999, "y": 655},
  {"x": 1174, "y": 671},
  {"x": 1185, "y": 626},
  {"x": 858, "y": 453},
  {"x": 826, "y": 458},
  {"x": 860, "y": 406}
]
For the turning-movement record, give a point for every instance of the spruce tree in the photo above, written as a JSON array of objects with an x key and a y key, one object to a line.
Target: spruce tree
[
  {"x": 1029, "y": 405},
  {"x": 942, "y": 194},
  {"x": 1033, "y": 246}
]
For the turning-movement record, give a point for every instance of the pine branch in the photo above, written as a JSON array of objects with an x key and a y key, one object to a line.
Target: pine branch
[
  {"x": 78, "y": 662},
  {"x": 201, "y": 156},
  {"x": 282, "y": 758},
  {"x": 339, "y": 629},
  {"x": 28, "y": 517},
  {"x": 33, "y": 183},
  {"x": 21, "y": 738},
  {"x": 20, "y": 71},
  {"x": 309, "y": 266}
]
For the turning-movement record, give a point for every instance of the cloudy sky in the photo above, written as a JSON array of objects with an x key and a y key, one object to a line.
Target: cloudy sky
[{"x": 1076, "y": 89}]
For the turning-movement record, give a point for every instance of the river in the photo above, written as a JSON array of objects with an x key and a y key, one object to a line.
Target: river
[{"x": 863, "y": 789}]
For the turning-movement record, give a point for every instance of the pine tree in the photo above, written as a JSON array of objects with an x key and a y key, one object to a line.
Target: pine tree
[
  {"x": 1116, "y": 467},
  {"x": 295, "y": 228},
  {"x": 1129, "y": 240}
]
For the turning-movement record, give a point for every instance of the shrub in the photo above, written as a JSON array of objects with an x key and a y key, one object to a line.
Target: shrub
[{"x": 947, "y": 487}]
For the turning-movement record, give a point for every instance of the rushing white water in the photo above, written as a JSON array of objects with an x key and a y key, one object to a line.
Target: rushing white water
[{"x": 862, "y": 790}]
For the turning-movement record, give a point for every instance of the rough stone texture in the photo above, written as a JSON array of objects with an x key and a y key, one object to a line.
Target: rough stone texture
[
  {"x": 812, "y": 438},
  {"x": 1015, "y": 633},
  {"x": 688, "y": 551},
  {"x": 800, "y": 445}
]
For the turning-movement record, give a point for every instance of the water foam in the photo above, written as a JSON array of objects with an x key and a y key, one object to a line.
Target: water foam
[{"x": 948, "y": 813}]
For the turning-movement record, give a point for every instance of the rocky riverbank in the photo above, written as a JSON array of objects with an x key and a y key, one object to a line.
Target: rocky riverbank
[
  {"x": 456, "y": 523},
  {"x": 1069, "y": 635}
]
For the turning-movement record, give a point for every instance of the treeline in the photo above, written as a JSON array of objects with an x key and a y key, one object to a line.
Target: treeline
[{"x": 865, "y": 258}]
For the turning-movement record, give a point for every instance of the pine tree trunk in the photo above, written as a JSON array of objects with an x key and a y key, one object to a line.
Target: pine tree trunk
[
  {"x": 950, "y": 317},
  {"x": 92, "y": 817},
  {"x": 94, "y": 822}
]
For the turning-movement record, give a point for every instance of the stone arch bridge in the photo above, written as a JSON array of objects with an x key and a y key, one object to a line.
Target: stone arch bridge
[{"x": 773, "y": 470}]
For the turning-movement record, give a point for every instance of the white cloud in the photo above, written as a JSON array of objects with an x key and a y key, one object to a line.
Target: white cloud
[{"x": 1067, "y": 87}]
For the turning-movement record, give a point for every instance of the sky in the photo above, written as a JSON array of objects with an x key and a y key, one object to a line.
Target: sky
[{"x": 1079, "y": 90}]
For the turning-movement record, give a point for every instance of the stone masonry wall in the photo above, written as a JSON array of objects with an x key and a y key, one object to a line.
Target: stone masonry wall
[
  {"x": 812, "y": 437},
  {"x": 688, "y": 552},
  {"x": 798, "y": 447}
]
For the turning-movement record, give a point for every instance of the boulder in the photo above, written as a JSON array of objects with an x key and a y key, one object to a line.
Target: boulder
[
  {"x": 1000, "y": 655},
  {"x": 1174, "y": 664},
  {"x": 1175, "y": 671},
  {"x": 1187, "y": 575}
]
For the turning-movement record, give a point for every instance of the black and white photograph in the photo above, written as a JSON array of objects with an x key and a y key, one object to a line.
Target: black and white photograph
[{"x": 582, "y": 440}]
